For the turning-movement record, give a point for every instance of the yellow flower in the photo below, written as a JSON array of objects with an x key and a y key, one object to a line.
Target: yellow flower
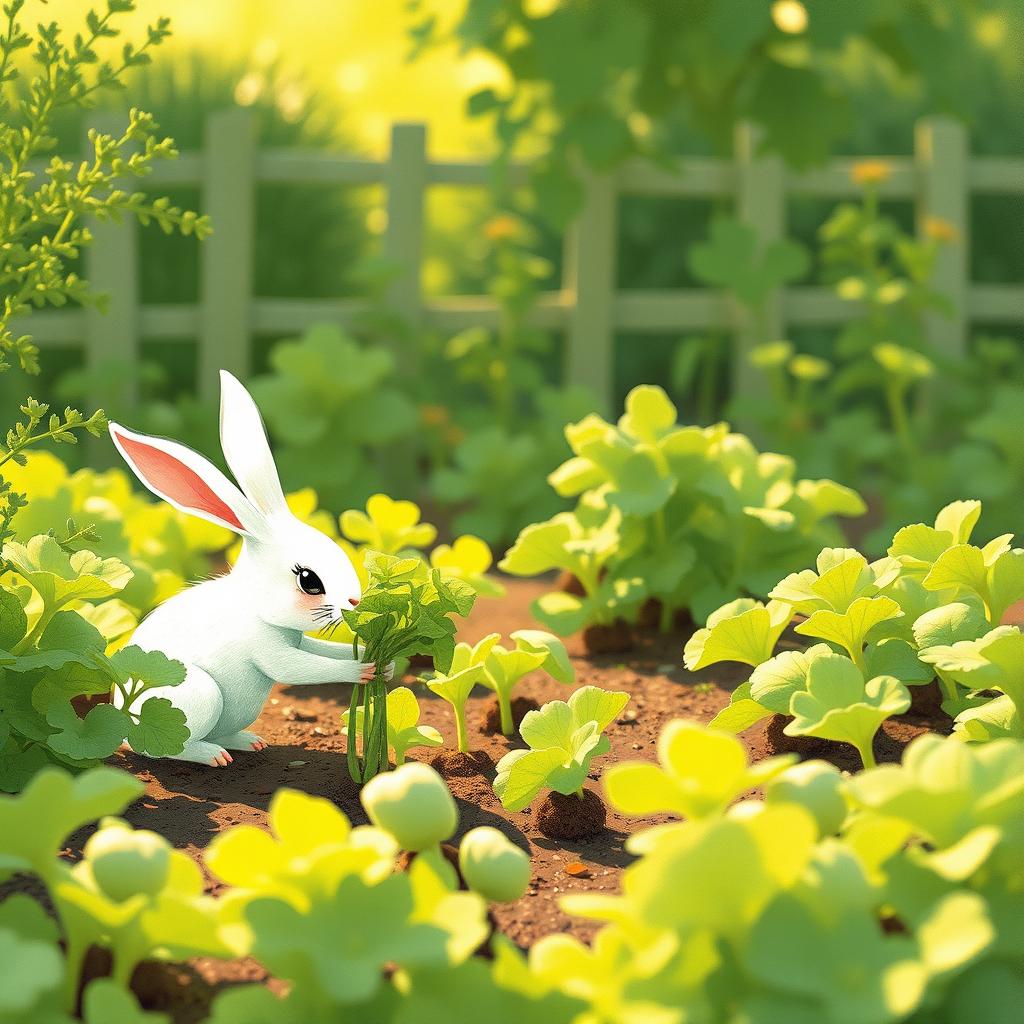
[
  {"x": 790, "y": 16},
  {"x": 940, "y": 230},
  {"x": 501, "y": 227},
  {"x": 870, "y": 172}
]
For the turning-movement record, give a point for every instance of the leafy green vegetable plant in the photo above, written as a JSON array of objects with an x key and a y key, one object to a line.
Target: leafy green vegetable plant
[
  {"x": 652, "y": 494},
  {"x": 931, "y": 608},
  {"x": 405, "y": 610},
  {"x": 838, "y": 705},
  {"x": 880, "y": 898},
  {"x": 534, "y": 649},
  {"x": 455, "y": 684},
  {"x": 563, "y": 738}
]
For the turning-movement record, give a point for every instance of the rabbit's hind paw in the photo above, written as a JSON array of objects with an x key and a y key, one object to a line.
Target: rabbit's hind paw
[
  {"x": 243, "y": 741},
  {"x": 202, "y": 752}
]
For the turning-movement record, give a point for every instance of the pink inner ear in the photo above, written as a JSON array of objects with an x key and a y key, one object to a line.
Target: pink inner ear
[{"x": 173, "y": 478}]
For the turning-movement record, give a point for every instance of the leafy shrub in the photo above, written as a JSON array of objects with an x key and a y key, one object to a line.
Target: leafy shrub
[
  {"x": 563, "y": 738},
  {"x": 687, "y": 515},
  {"x": 930, "y": 609},
  {"x": 57, "y": 655}
]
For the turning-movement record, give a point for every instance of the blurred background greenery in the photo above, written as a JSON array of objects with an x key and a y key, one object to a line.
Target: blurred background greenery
[{"x": 563, "y": 84}]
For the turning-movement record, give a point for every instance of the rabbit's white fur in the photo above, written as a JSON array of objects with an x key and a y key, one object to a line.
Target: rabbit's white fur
[{"x": 240, "y": 633}]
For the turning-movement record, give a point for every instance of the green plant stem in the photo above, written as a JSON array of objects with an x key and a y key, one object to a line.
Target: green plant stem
[
  {"x": 895, "y": 397},
  {"x": 668, "y": 614},
  {"x": 460, "y": 728},
  {"x": 867, "y": 753},
  {"x": 505, "y": 706},
  {"x": 353, "y": 714}
]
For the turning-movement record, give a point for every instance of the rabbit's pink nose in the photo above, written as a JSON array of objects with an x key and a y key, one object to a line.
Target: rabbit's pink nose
[{"x": 353, "y": 601}]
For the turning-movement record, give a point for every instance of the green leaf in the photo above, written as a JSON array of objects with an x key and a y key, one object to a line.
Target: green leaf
[
  {"x": 850, "y": 629},
  {"x": 13, "y": 622},
  {"x": 949, "y": 624},
  {"x": 151, "y": 667},
  {"x": 748, "y": 637},
  {"x": 773, "y": 683},
  {"x": 701, "y": 772},
  {"x": 897, "y": 658},
  {"x": 104, "y": 1001},
  {"x": 96, "y": 736},
  {"x": 740, "y": 713},
  {"x": 59, "y": 577},
  {"x": 732, "y": 258},
  {"x": 30, "y": 969},
  {"x": 556, "y": 659},
  {"x": 962, "y": 565},
  {"x": 160, "y": 731},
  {"x": 388, "y": 526},
  {"x": 345, "y": 965},
  {"x": 839, "y": 705},
  {"x": 53, "y": 806},
  {"x": 522, "y": 774}
]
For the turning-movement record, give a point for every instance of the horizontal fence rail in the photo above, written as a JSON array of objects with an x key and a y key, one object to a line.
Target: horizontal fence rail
[{"x": 939, "y": 178}]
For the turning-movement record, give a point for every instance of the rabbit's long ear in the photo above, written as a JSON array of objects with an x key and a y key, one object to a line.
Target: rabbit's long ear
[
  {"x": 246, "y": 448},
  {"x": 187, "y": 481}
]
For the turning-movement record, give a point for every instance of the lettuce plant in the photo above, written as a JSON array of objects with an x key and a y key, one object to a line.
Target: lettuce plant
[
  {"x": 403, "y": 729},
  {"x": 406, "y": 610},
  {"x": 931, "y": 608},
  {"x": 534, "y": 649},
  {"x": 454, "y": 685},
  {"x": 563, "y": 738},
  {"x": 489, "y": 664},
  {"x": 584, "y": 543},
  {"x": 838, "y": 704},
  {"x": 884, "y": 897},
  {"x": 652, "y": 495}
]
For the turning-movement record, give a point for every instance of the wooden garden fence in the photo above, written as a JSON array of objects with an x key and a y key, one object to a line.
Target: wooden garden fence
[{"x": 588, "y": 307}]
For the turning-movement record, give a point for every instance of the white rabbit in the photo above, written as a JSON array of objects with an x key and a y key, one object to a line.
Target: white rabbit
[{"x": 241, "y": 632}]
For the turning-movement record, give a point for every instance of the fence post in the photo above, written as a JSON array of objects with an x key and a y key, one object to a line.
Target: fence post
[
  {"x": 226, "y": 257},
  {"x": 405, "y": 180},
  {"x": 940, "y": 150},
  {"x": 760, "y": 203},
  {"x": 589, "y": 279},
  {"x": 111, "y": 266}
]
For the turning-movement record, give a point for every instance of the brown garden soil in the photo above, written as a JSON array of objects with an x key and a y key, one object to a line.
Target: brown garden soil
[{"x": 190, "y": 804}]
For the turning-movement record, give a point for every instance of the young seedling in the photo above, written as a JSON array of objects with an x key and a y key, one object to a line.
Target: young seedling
[
  {"x": 405, "y": 610},
  {"x": 839, "y": 705},
  {"x": 563, "y": 738},
  {"x": 534, "y": 649},
  {"x": 493, "y": 865},
  {"x": 454, "y": 686},
  {"x": 403, "y": 728}
]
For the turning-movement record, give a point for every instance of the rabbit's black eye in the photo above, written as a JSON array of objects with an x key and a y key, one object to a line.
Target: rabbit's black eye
[{"x": 308, "y": 581}]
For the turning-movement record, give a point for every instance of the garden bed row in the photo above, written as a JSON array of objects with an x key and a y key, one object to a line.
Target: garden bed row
[{"x": 190, "y": 804}]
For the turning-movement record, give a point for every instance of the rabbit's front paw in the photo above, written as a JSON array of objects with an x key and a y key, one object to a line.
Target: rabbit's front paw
[{"x": 368, "y": 671}]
